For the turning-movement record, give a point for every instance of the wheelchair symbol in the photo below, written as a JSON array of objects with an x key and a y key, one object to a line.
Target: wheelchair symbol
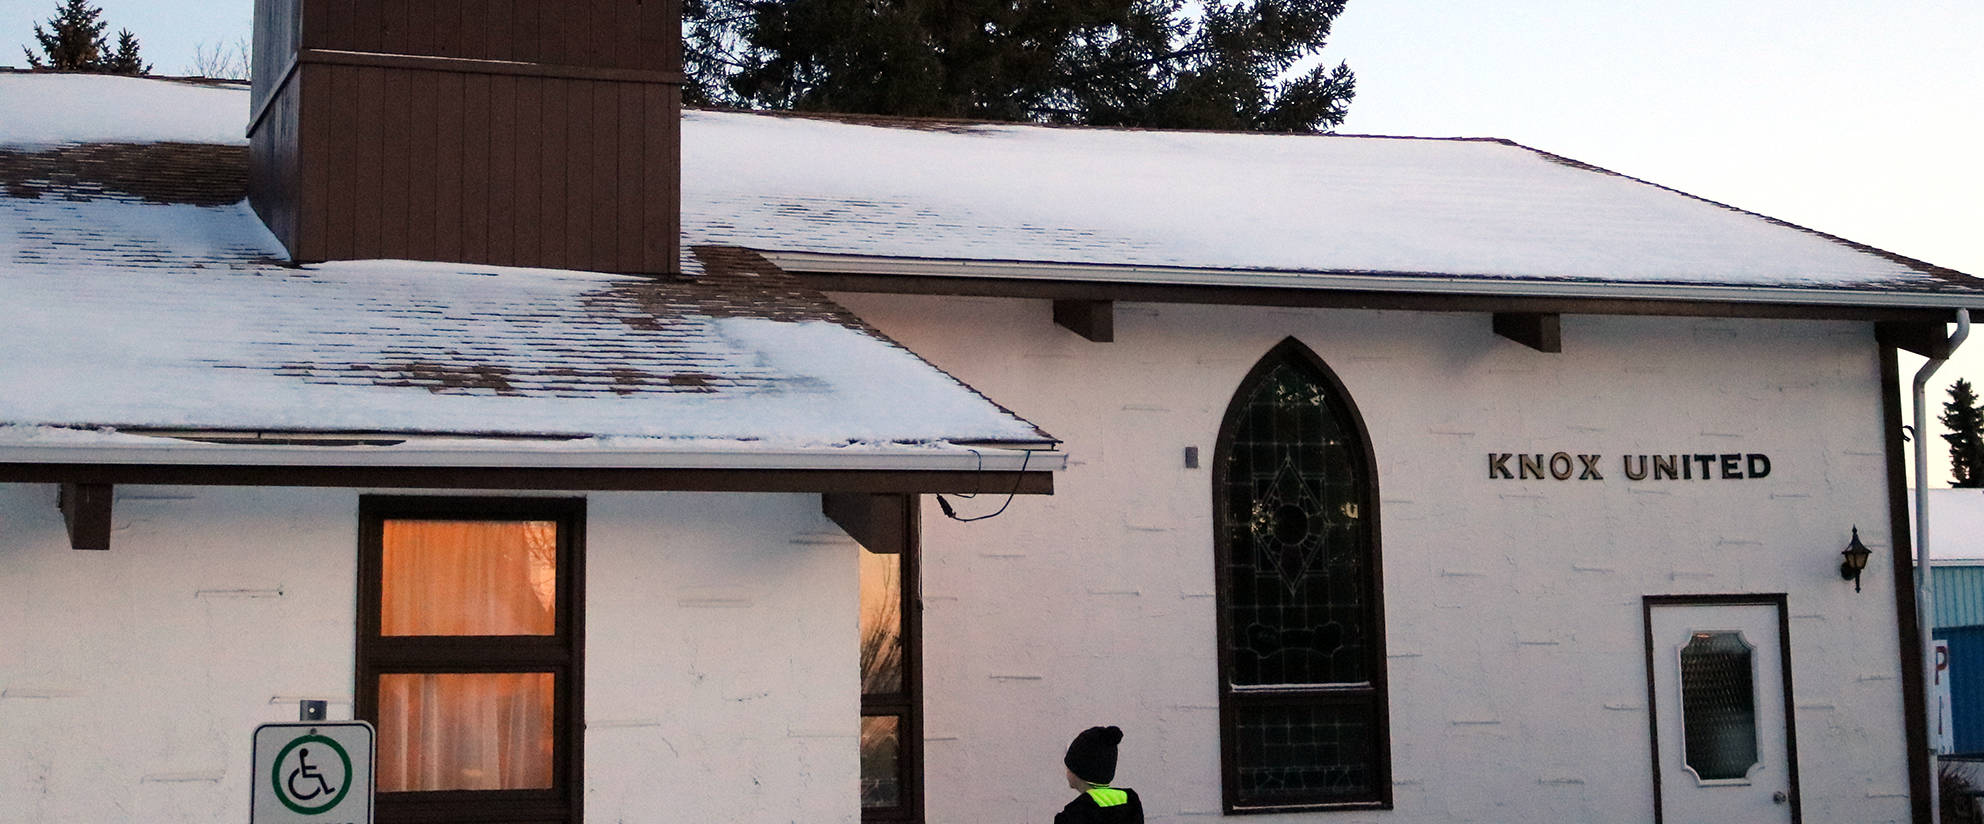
[
  {"x": 301, "y": 783},
  {"x": 308, "y": 773}
]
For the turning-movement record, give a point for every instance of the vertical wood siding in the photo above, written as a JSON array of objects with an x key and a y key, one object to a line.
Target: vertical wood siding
[
  {"x": 453, "y": 163},
  {"x": 396, "y": 204},
  {"x": 314, "y": 140},
  {"x": 498, "y": 169},
  {"x": 278, "y": 34},
  {"x": 272, "y": 153}
]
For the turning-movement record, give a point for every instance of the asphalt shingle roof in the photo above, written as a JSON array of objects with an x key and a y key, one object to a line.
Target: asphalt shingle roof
[
  {"x": 1434, "y": 208},
  {"x": 143, "y": 293}
]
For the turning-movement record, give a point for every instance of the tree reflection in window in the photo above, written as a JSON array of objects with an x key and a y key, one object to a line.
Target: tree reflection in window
[{"x": 885, "y": 699}]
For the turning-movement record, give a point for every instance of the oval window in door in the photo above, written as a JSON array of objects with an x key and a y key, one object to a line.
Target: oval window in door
[{"x": 1719, "y": 706}]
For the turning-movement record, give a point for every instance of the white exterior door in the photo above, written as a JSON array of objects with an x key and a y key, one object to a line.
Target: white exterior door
[{"x": 1722, "y": 738}]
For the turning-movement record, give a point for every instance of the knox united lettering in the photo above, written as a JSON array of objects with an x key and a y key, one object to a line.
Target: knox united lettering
[{"x": 1582, "y": 466}]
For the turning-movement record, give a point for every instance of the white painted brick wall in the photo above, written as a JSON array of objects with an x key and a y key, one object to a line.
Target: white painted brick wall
[
  {"x": 215, "y": 611},
  {"x": 1513, "y": 608},
  {"x": 721, "y": 658},
  {"x": 721, "y": 652}
]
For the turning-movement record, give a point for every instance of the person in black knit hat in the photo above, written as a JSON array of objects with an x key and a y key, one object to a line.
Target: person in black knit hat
[{"x": 1091, "y": 763}]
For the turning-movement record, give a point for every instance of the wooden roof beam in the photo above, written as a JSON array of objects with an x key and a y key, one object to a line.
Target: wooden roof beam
[
  {"x": 86, "y": 512},
  {"x": 1092, "y": 319},
  {"x": 1541, "y": 331},
  {"x": 879, "y": 522},
  {"x": 1930, "y": 340}
]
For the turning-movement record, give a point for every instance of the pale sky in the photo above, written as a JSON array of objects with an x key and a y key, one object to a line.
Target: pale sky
[{"x": 1862, "y": 120}]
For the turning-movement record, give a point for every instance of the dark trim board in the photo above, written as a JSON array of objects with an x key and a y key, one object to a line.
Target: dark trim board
[
  {"x": 1902, "y": 563},
  {"x": 476, "y": 66},
  {"x": 912, "y": 639},
  {"x": 1079, "y": 290},
  {"x": 1034, "y": 482},
  {"x": 1778, "y": 600}
]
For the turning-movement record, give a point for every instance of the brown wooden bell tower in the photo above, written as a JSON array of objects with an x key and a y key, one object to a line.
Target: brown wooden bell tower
[{"x": 510, "y": 132}]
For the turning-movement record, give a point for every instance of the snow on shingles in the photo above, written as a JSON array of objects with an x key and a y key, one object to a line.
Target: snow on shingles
[
  {"x": 47, "y": 109},
  {"x": 1227, "y": 201},
  {"x": 1956, "y": 519},
  {"x": 170, "y": 316},
  {"x": 1299, "y": 203}
]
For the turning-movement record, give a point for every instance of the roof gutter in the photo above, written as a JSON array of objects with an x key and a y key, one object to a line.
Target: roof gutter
[
  {"x": 1413, "y": 283},
  {"x": 491, "y": 456},
  {"x": 1924, "y": 589}
]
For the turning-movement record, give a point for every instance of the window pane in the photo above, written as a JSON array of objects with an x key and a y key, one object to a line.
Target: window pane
[
  {"x": 881, "y": 753},
  {"x": 1298, "y": 603},
  {"x": 1718, "y": 706},
  {"x": 1306, "y": 754},
  {"x": 465, "y": 731},
  {"x": 881, "y": 623},
  {"x": 469, "y": 578}
]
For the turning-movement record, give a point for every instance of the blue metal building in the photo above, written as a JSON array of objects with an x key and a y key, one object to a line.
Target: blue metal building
[{"x": 1957, "y": 545}]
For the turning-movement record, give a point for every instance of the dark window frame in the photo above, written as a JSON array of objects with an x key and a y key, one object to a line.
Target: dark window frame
[
  {"x": 908, "y": 703},
  {"x": 1231, "y": 700},
  {"x": 562, "y": 654}
]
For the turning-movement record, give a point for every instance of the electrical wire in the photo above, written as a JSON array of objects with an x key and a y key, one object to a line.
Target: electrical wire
[{"x": 1026, "y": 458}]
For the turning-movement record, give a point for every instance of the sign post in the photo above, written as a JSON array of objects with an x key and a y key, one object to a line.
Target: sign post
[
  {"x": 313, "y": 773},
  {"x": 1945, "y": 738}
]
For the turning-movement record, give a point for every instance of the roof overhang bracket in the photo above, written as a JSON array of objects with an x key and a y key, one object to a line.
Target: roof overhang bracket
[
  {"x": 1541, "y": 331},
  {"x": 879, "y": 522},
  {"x": 1092, "y": 319},
  {"x": 1930, "y": 340},
  {"x": 86, "y": 512}
]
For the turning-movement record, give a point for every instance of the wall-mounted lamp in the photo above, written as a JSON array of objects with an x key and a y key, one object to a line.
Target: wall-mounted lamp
[{"x": 1855, "y": 562}]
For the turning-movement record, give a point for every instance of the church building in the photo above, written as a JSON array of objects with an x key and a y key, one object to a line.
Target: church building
[{"x": 618, "y": 462}]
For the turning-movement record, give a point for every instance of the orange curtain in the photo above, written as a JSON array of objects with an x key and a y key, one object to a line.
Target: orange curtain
[
  {"x": 465, "y": 731},
  {"x": 469, "y": 578}
]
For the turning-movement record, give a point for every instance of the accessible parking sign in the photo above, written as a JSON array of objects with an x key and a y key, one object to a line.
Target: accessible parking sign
[{"x": 313, "y": 773}]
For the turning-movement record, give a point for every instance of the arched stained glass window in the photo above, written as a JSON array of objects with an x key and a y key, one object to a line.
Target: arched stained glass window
[{"x": 1304, "y": 723}]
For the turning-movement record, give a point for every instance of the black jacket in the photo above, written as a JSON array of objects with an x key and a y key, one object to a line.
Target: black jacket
[{"x": 1085, "y": 810}]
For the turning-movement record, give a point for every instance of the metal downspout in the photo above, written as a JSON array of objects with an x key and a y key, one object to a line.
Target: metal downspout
[{"x": 1923, "y": 589}]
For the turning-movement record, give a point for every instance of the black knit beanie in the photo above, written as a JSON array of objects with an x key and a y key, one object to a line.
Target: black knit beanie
[{"x": 1092, "y": 756}]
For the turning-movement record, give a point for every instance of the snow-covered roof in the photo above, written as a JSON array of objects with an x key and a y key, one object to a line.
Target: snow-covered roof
[
  {"x": 45, "y": 109},
  {"x": 141, "y": 294},
  {"x": 1956, "y": 525},
  {"x": 1237, "y": 204},
  {"x": 1320, "y": 211}
]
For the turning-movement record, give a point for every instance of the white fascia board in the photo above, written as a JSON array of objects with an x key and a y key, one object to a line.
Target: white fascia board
[
  {"x": 412, "y": 454},
  {"x": 1430, "y": 284}
]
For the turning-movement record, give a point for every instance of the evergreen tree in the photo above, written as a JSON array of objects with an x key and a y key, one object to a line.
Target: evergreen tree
[
  {"x": 125, "y": 59},
  {"x": 1966, "y": 436},
  {"x": 74, "y": 41},
  {"x": 1240, "y": 64}
]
